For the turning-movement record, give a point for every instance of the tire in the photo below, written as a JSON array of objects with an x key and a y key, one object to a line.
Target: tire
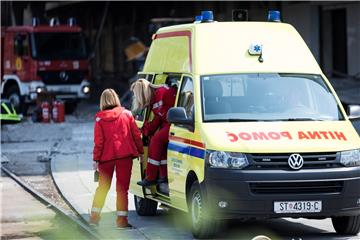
[
  {"x": 202, "y": 225},
  {"x": 145, "y": 207},
  {"x": 349, "y": 225},
  {"x": 13, "y": 95}
]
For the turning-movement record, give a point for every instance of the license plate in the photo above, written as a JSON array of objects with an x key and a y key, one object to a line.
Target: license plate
[{"x": 298, "y": 207}]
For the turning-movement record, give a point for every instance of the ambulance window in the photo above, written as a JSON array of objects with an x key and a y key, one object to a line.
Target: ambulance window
[
  {"x": 267, "y": 97},
  {"x": 186, "y": 97},
  {"x": 233, "y": 86},
  {"x": 160, "y": 79}
]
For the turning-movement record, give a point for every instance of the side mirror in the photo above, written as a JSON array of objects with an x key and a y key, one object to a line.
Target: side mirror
[
  {"x": 177, "y": 115},
  {"x": 353, "y": 111}
]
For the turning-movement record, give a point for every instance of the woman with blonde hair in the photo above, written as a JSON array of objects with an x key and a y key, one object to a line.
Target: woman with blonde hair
[
  {"x": 159, "y": 99},
  {"x": 117, "y": 140}
]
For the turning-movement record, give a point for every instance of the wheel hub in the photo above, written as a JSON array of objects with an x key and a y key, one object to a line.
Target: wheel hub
[
  {"x": 14, "y": 100},
  {"x": 196, "y": 208}
]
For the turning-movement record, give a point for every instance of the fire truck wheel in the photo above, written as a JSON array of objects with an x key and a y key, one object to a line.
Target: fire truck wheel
[
  {"x": 13, "y": 95},
  {"x": 349, "y": 225},
  {"x": 145, "y": 207},
  {"x": 70, "y": 107},
  {"x": 203, "y": 225}
]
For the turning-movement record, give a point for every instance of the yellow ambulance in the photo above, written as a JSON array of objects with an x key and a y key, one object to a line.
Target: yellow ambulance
[{"x": 257, "y": 130}]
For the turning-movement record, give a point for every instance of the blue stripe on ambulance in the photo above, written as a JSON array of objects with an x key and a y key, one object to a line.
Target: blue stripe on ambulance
[{"x": 189, "y": 150}]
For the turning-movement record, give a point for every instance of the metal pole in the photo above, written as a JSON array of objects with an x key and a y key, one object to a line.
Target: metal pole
[{"x": 13, "y": 19}]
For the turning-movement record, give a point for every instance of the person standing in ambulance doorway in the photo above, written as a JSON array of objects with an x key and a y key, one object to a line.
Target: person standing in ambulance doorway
[
  {"x": 159, "y": 99},
  {"x": 117, "y": 140}
]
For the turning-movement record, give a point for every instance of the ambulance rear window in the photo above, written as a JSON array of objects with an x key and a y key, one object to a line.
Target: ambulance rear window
[{"x": 268, "y": 97}]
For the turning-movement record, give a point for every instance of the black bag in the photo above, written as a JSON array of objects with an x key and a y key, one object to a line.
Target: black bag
[{"x": 96, "y": 176}]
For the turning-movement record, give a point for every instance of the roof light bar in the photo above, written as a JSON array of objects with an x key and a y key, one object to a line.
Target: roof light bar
[
  {"x": 274, "y": 16},
  {"x": 207, "y": 16}
]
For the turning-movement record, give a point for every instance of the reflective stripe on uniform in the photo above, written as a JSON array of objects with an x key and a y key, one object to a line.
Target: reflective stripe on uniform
[
  {"x": 153, "y": 162},
  {"x": 122, "y": 213},
  {"x": 94, "y": 209},
  {"x": 157, "y": 104},
  {"x": 163, "y": 162}
]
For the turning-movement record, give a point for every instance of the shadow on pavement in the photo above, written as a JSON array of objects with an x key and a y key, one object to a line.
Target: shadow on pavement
[{"x": 174, "y": 224}]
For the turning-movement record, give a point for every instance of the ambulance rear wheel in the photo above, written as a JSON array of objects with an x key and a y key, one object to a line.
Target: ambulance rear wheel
[
  {"x": 349, "y": 225},
  {"x": 203, "y": 226},
  {"x": 145, "y": 207}
]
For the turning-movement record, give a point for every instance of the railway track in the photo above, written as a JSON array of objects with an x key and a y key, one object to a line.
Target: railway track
[{"x": 50, "y": 204}]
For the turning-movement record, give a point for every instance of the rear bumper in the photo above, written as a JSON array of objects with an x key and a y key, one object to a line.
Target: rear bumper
[{"x": 236, "y": 187}]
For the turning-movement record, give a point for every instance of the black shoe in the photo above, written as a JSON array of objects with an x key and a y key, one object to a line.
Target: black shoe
[
  {"x": 162, "y": 180},
  {"x": 146, "y": 183}
]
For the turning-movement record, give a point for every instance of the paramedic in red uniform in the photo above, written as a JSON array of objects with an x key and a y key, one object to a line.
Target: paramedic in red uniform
[
  {"x": 117, "y": 140},
  {"x": 159, "y": 98}
]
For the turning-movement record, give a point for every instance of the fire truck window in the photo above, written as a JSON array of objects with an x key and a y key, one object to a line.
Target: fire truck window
[
  {"x": 21, "y": 45},
  {"x": 26, "y": 45},
  {"x": 58, "y": 46}
]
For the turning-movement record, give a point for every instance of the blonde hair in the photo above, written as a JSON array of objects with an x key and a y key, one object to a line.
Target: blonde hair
[
  {"x": 143, "y": 92},
  {"x": 109, "y": 99}
]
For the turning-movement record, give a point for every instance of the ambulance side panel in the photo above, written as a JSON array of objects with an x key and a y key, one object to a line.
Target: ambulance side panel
[
  {"x": 170, "y": 53},
  {"x": 223, "y": 48}
]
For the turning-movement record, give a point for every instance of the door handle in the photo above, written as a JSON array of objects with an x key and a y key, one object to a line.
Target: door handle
[{"x": 172, "y": 133}]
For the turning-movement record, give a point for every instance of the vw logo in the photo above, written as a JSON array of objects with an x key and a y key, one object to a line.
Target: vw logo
[
  {"x": 295, "y": 161},
  {"x": 63, "y": 76}
]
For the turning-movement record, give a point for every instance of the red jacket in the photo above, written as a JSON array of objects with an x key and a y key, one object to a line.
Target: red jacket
[
  {"x": 116, "y": 135},
  {"x": 163, "y": 99}
]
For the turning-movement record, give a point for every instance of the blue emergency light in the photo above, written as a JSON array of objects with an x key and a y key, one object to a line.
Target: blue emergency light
[
  {"x": 274, "y": 16},
  {"x": 207, "y": 16},
  {"x": 198, "y": 19}
]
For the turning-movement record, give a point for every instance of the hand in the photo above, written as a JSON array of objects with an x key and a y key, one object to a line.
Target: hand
[{"x": 95, "y": 165}]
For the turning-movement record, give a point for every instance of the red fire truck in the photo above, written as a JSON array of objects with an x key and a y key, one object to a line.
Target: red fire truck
[{"x": 40, "y": 58}]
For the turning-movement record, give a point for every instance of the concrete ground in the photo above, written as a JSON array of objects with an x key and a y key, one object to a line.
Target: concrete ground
[{"x": 24, "y": 217}]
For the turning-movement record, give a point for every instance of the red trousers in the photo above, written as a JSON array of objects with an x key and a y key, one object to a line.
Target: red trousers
[
  {"x": 158, "y": 154},
  {"x": 123, "y": 173}
]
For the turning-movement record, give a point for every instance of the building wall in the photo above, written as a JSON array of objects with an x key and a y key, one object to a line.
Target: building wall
[
  {"x": 314, "y": 23},
  {"x": 305, "y": 18},
  {"x": 353, "y": 38}
]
